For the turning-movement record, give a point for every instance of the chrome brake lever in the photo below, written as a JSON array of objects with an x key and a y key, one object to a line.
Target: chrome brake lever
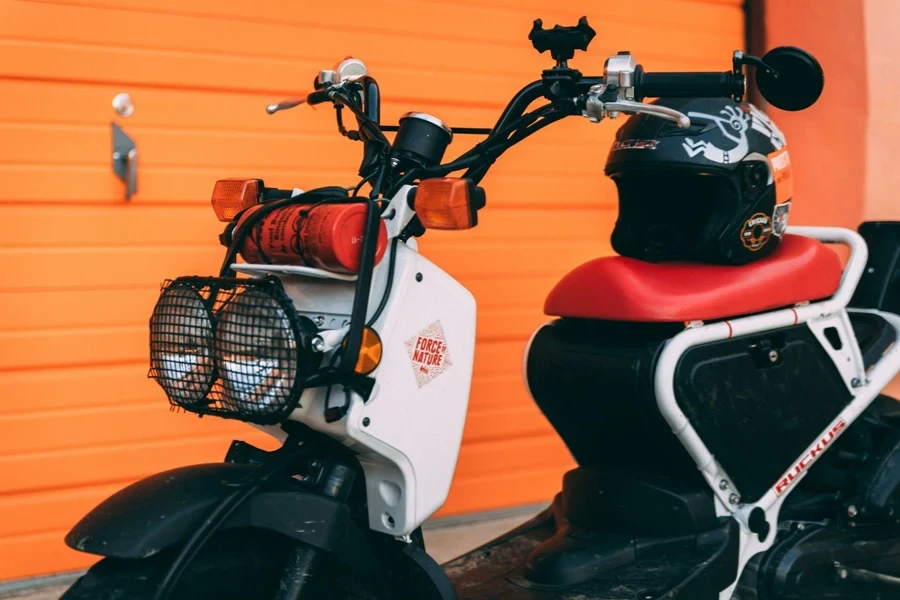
[
  {"x": 629, "y": 106},
  {"x": 595, "y": 109},
  {"x": 285, "y": 104}
]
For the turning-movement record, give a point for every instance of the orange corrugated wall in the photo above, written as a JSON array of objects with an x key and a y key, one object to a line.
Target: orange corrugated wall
[{"x": 81, "y": 266}]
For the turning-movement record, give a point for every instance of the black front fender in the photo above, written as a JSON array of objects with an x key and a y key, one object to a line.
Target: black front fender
[{"x": 164, "y": 509}]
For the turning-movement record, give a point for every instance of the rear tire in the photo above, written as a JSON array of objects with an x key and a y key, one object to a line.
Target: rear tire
[{"x": 233, "y": 565}]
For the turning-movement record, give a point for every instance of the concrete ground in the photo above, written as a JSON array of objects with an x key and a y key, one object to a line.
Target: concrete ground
[{"x": 444, "y": 538}]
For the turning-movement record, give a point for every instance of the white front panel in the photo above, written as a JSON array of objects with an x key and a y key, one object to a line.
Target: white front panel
[
  {"x": 420, "y": 403},
  {"x": 416, "y": 413}
]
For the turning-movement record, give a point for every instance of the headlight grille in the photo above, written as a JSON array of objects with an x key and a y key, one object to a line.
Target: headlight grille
[{"x": 235, "y": 348}]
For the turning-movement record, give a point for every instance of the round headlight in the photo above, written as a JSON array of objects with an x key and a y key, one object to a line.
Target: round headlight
[
  {"x": 181, "y": 343},
  {"x": 257, "y": 353}
]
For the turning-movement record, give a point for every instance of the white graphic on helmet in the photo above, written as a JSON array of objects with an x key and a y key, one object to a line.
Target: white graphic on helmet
[
  {"x": 763, "y": 124},
  {"x": 734, "y": 124}
]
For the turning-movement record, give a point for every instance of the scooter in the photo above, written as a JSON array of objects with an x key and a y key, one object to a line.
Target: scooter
[{"x": 745, "y": 453}]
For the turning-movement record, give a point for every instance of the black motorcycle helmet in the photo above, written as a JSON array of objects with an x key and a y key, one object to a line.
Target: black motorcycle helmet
[{"x": 718, "y": 192}]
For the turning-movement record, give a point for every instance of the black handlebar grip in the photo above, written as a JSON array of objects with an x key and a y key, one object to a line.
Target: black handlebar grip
[
  {"x": 688, "y": 85},
  {"x": 318, "y": 97}
]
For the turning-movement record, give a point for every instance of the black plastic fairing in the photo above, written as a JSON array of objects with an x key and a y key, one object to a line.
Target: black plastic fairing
[
  {"x": 879, "y": 287},
  {"x": 882, "y": 496},
  {"x": 636, "y": 569},
  {"x": 607, "y": 519},
  {"x": 593, "y": 380},
  {"x": 873, "y": 334}
]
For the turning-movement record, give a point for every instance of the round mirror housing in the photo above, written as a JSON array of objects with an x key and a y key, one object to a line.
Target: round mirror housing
[{"x": 797, "y": 82}]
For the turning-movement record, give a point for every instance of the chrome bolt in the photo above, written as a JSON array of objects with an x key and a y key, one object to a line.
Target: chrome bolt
[
  {"x": 318, "y": 344},
  {"x": 734, "y": 499},
  {"x": 773, "y": 356},
  {"x": 852, "y": 512},
  {"x": 843, "y": 573},
  {"x": 122, "y": 105},
  {"x": 723, "y": 485}
]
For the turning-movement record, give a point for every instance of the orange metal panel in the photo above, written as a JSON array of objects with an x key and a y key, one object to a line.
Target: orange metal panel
[
  {"x": 78, "y": 417},
  {"x": 75, "y": 387},
  {"x": 48, "y": 510}
]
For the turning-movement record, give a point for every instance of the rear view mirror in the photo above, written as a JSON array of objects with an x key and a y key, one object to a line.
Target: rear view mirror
[{"x": 797, "y": 81}]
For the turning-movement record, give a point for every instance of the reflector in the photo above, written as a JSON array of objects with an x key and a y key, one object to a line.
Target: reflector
[
  {"x": 370, "y": 351},
  {"x": 448, "y": 203},
  {"x": 230, "y": 197}
]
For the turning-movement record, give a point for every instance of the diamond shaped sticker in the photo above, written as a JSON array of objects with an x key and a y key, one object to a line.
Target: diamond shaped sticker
[{"x": 428, "y": 353}]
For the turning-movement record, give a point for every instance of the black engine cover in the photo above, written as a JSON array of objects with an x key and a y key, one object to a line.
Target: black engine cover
[{"x": 807, "y": 564}]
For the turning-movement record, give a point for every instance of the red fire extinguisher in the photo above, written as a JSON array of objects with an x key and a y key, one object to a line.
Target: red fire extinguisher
[{"x": 324, "y": 236}]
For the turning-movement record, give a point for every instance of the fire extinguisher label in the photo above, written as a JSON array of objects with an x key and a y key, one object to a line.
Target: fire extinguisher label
[{"x": 428, "y": 353}]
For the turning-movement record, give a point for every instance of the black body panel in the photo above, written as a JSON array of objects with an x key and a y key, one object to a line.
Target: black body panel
[
  {"x": 636, "y": 502},
  {"x": 593, "y": 380},
  {"x": 166, "y": 508},
  {"x": 609, "y": 518},
  {"x": 755, "y": 414},
  {"x": 874, "y": 335},
  {"x": 757, "y": 401},
  {"x": 879, "y": 286}
]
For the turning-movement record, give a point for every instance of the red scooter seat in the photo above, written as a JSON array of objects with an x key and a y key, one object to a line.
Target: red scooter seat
[{"x": 616, "y": 288}]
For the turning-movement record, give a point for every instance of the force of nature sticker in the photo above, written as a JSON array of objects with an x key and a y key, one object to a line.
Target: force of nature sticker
[{"x": 428, "y": 353}]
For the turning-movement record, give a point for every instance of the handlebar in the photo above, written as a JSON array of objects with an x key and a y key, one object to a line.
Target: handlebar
[
  {"x": 687, "y": 85},
  {"x": 623, "y": 84}
]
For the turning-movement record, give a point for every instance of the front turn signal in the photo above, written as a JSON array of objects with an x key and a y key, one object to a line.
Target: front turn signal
[
  {"x": 447, "y": 203},
  {"x": 231, "y": 197},
  {"x": 370, "y": 351}
]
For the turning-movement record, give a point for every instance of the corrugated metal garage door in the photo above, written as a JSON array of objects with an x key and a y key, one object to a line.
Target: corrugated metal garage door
[{"x": 81, "y": 266}]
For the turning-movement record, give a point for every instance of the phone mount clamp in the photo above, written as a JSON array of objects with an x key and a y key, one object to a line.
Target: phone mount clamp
[{"x": 562, "y": 42}]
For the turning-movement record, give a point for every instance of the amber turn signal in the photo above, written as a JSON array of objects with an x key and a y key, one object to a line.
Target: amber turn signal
[
  {"x": 370, "y": 351},
  {"x": 231, "y": 197},
  {"x": 447, "y": 203}
]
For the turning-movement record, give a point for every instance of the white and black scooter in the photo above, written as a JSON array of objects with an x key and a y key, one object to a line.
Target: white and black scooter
[{"x": 743, "y": 451}]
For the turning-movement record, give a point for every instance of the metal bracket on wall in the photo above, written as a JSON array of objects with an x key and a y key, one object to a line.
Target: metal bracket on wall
[{"x": 124, "y": 160}]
